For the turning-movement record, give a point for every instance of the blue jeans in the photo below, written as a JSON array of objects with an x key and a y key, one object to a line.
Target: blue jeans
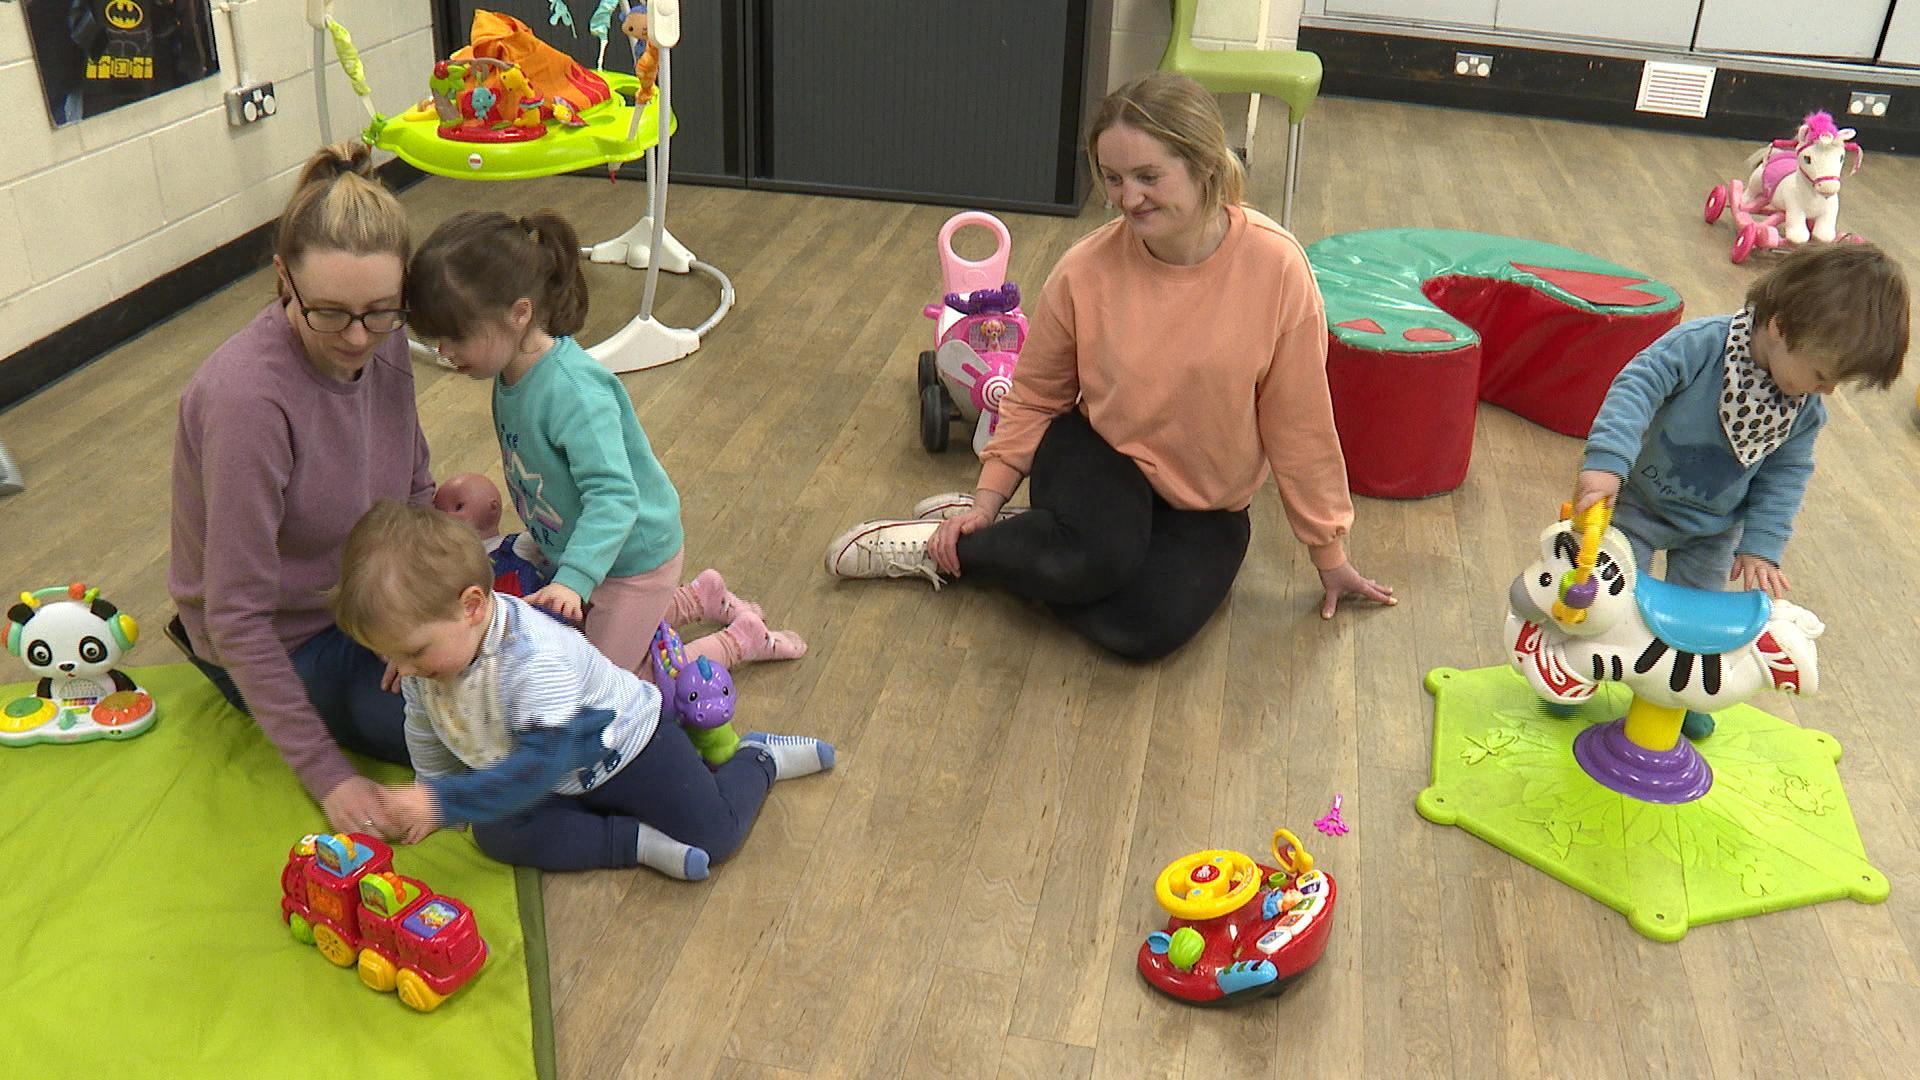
[
  {"x": 667, "y": 785},
  {"x": 1698, "y": 562},
  {"x": 342, "y": 678}
]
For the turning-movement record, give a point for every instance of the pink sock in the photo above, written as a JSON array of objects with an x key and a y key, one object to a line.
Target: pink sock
[
  {"x": 751, "y": 641},
  {"x": 706, "y": 599}
]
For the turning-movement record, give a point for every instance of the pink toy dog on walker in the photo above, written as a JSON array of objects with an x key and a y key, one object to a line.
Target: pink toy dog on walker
[
  {"x": 1793, "y": 194},
  {"x": 978, "y": 331}
]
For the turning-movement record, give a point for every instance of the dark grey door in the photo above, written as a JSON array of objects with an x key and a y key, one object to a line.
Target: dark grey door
[{"x": 976, "y": 101}]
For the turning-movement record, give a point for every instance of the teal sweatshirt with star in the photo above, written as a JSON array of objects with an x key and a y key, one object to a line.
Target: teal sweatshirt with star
[
  {"x": 1659, "y": 429},
  {"x": 581, "y": 473}
]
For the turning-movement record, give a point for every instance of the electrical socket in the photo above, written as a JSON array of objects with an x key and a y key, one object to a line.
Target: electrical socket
[
  {"x": 1868, "y": 103},
  {"x": 1474, "y": 65},
  {"x": 250, "y": 104}
]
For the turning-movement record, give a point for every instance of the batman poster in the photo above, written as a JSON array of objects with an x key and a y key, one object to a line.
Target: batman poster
[{"x": 96, "y": 55}]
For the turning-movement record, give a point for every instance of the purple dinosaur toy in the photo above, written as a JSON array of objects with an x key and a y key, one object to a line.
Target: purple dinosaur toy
[{"x": 698, "y": 695}]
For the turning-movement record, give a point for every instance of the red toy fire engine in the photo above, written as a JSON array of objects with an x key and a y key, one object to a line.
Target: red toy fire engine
[{"x": 340, "y": 893}]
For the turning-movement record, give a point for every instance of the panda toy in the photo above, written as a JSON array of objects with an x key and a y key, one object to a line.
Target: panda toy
[{"x": 71, "y": 639}]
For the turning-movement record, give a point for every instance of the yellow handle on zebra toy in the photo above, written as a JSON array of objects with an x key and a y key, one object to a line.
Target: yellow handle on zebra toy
[{"x": 1577, "y": 587}]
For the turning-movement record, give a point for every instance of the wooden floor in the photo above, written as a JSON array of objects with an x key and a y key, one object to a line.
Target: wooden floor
[{"x": 964, "y": 895}]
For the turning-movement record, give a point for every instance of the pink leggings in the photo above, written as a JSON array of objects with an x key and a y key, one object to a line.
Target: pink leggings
[{"x": 625, "y": 612}]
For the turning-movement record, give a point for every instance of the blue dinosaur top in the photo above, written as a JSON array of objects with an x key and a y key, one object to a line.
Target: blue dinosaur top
[{"x": 1660, "y": 429}]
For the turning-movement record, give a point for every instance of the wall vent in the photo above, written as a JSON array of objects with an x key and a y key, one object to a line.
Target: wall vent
[{"x": 1676, "y": 89}]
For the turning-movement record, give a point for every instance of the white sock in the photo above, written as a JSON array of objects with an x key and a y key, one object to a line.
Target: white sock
[
  {"x": 793, "y": 755},
  {"x": 669, "y": 856}
]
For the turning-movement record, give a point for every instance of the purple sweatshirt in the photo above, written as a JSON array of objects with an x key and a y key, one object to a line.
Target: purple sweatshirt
[{"x": 273, "y": 463}]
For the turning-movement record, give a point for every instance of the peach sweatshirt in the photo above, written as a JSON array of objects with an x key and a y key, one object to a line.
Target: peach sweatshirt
[{"x": 1207, "y": 376}]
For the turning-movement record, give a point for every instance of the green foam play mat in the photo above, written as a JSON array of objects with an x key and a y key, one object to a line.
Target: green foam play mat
[
  {"x": 140, "y": 926},
  {"x": 1774, "y": 832}
]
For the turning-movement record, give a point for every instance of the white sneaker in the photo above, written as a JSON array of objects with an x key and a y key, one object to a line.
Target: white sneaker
[
  {"x": 953, "y": 504},
  {"x": 884, "y": 548}
]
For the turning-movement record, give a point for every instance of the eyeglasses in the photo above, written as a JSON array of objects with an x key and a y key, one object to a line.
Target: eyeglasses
[{"x": 335, "y": 321}]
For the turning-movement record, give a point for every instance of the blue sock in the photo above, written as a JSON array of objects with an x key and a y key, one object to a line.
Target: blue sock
[
  {"x": 669, "y": 856},
  {"x": 793, "y": 755}
]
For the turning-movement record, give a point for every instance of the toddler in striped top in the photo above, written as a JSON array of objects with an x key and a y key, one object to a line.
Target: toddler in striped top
[{"x": 518, "y": 726}]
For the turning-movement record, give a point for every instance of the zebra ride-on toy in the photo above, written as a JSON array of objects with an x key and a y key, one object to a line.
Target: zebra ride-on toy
[
  {"x": 978, "y": 331},
  {"x": 1583, "y": 614}
]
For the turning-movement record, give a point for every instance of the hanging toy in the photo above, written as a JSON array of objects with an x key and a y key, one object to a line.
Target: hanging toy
[
  {"x": 646, "y": 55},
  {"x": 600, "y": 25}
]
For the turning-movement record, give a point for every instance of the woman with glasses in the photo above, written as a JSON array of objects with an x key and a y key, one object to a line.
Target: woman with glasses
[{"x": 290, "y": 431}]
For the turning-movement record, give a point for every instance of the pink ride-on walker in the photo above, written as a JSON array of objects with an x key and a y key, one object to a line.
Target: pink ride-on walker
[
  {"x": 1793, "y": 193},
  {"x": 978, "y": 331}
]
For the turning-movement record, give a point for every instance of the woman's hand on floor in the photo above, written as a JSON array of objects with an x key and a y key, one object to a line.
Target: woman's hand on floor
[{"x": 1343, "y": 581}]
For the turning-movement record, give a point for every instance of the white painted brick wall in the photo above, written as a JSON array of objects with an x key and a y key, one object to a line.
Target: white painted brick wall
[{"x": 94, "y": 210}]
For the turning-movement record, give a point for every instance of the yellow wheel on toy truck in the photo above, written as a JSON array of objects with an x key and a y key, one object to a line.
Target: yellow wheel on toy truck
[
  {"x": 415, "y": 992},
  {"x": 1207, "y": 884},
  {"x": 376, "y": 970},
  {"x": 333, "y": 946}
]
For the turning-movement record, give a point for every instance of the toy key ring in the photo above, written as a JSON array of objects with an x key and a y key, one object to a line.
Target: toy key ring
[{"x": 1289, "y": 854}]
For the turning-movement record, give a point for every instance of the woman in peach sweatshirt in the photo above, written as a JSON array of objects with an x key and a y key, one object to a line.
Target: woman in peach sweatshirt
[{"x": 1178, "y": 355}]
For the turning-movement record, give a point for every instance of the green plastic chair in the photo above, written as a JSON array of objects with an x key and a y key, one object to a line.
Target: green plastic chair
[{"x": 1292, "y": 75}]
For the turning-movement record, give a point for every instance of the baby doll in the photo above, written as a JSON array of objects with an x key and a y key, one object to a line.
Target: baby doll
[{"x": 518, "y": 567}]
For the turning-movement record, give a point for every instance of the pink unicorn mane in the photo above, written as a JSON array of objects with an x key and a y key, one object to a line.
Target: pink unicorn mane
[{"x": 1816, "y": 125}]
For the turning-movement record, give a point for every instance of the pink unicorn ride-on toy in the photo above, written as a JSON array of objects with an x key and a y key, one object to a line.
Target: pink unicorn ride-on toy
[
  {"x": 1793, "y": 194},
  {"x": 978, "y": 331}
]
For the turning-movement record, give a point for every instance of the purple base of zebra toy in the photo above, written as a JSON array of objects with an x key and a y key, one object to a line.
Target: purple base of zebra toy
[{"x": 1679, "y": 775}]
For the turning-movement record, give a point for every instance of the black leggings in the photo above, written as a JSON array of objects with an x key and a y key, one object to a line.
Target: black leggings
[{"x": 1108, "y": 555}]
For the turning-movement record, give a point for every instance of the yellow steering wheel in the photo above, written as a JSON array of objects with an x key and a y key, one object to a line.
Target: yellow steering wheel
[{"x": 1207, "y": 884}]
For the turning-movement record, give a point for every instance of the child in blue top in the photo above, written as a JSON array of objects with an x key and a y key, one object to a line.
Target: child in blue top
[
  {"x": 519, "y": 726},
  {"x": 1705, "y": 439},
  {"x": 502, "y": 295}
]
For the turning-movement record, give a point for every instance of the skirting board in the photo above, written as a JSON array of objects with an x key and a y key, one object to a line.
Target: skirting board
[{"x": 1752, "y": 98}]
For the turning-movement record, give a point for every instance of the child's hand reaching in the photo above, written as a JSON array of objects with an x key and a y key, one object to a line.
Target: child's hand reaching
[
  {"x": 1754, "y": 572},
  {"x": 558, "y": 599},
  {"x": 410, "y": 811},
  {"x": 1592, "y": 486}
]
